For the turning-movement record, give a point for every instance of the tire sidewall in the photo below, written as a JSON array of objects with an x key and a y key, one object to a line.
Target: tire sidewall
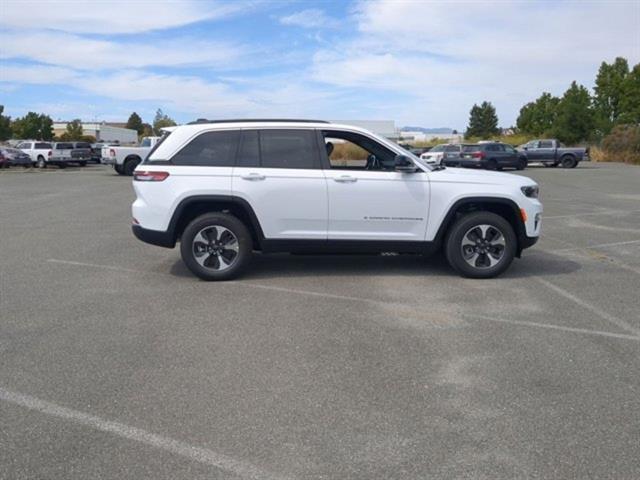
[
  {"x": 568, "y": 162},
  {"x": 129, "y": 166},
  {"x": 456, "y": 233},
  {"x": 230, "y": 222}
]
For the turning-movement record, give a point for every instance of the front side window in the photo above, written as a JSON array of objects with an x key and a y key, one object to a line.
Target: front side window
[
  {"x": 438, "y": 148},
  {"x": 25, "y": 145},
  {"x": 288, "y": 149},
  {"x": 353, "y": 151},
  {"x": 509, "y": 149},
  {"x": 42, "y": 145},
  {"x": 64, "y": 146},
  {"x": 209, "y": 149},
  {"x": 546, "y": 144},
  {"x": 146, "y": 142}
]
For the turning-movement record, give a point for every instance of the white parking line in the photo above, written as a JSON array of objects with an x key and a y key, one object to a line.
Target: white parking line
[
  {"x": 372, "y": 301},
  {"x": 553, "y": 327},
  {"x": 589, "y": 214},
  {"x": 197, "y": 454},
  {"x": 599, "y": 245},
  {"x": 587, "y": 306}
]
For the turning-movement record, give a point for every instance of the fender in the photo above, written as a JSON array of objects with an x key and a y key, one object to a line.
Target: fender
[
  {"x": 519, "y": 227},
  {"x": 231, "y": 200}
]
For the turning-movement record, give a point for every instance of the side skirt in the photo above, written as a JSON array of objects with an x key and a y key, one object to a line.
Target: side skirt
[{"x": 352, "y": 247}]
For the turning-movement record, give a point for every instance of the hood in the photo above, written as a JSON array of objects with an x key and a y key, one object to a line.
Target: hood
[{"x": 484, "y": 177}]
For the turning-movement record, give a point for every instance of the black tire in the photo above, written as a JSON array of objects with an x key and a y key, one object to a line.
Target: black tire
[
  {"x": 62, "y": 165},
  {"x": 118, "y": 169},
  {"x": 522, "y": 164},
  {"x": 129, "y": 166},
  {"x": 464, "y": 228},
  {"x": 492, "y": 165},
  {"x": 568, "y": 161},
  {"x": 41, "y": 162},
  {"x": 83, "y": 164},
  {"x": 212, "y": 268}
]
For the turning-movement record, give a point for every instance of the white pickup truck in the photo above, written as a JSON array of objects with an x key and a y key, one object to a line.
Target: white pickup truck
[{"x": 125, "y": 159}]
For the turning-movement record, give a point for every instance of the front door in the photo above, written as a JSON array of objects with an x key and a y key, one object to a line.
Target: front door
[{"x": 368, "y": 199}]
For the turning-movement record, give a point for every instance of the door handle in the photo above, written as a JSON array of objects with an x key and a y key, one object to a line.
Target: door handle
[
  {"x": 253, "y": 176},
  {"x": 345, "y": 179}
]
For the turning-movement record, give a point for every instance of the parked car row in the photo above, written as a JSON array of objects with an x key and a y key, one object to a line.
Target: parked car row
[
  {"x": 11, "y": 157},
  {"x": 496, "y": 155}
]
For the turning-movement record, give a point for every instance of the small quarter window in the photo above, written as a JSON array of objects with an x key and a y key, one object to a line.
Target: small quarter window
[{"x": 210, "y": 149}]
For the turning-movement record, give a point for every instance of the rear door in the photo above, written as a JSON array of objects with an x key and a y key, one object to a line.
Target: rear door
[
  {"x": 278, "y": 173},
  {"x": 546, "y": 150}
]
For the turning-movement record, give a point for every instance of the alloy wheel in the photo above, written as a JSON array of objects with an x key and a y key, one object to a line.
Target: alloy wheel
[
  {"x": 216, "y": 248},
  {"x": 483, "y": 246}
]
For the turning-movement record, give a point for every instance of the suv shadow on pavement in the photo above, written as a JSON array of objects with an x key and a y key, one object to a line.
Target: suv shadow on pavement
[{"x": 286, "y": 265}]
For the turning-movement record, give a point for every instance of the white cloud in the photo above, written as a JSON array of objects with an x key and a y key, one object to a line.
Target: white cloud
[
  {"x": 86, "y": 53},
  {"x": 113, "y": 17},
  {"x": 445, "y": 56},
  {"x": 309, "y": 18}
]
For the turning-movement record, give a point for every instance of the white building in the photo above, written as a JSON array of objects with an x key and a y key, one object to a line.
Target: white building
[
  {"x": 102, "y": 132},
  {"x": 418, "y": 136}
]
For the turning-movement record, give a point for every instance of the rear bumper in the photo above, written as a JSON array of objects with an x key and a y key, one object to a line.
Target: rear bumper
[
  {"x": 108, "y": 160},
  {"x": 154, "y": 237}
]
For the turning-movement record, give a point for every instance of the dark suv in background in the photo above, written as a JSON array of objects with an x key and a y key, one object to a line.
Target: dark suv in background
[{"x": 489, "y": 155}]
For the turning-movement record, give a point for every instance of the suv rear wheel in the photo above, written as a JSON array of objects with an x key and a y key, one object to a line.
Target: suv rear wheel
[
  {"x": 216, "y": 246},
  {"x": 480, "y": 245}
]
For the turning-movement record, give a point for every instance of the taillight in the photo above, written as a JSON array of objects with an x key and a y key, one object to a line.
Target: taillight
[
  {"x": 49, "y": 153},
  {"x": 150, "y": 176},
  {"x": 477, "y": 154},
  {"x": 112, "y": 152}
]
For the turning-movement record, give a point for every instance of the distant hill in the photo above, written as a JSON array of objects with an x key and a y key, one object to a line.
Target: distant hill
[{"x": 427, "y": 130}]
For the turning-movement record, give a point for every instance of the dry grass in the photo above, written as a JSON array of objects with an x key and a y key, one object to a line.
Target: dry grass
[
  {"x": 347, "y": 151},
  {"x": 598, "y": 154}
]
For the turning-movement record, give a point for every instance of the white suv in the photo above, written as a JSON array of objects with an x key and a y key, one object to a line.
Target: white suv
[{"x": 227, "y": 188}]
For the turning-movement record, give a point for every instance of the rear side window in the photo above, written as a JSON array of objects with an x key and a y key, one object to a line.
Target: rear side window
[
  {"x": 249, "y": 151},
  {"x": 288, "y": 149},
  {"x": 210, "y": 149},
  {"x": 471, "y": 148},
  {"x": 64, "y": 146},
  {"x": 83, "y": 145},
  {"x": 452, "y": 148},
  {"x": 546, "y": 144},
  {"x": 43, "y": 145}
]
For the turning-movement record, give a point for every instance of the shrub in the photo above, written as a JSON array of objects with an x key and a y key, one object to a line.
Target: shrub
[{"x": 621, "y": 145}]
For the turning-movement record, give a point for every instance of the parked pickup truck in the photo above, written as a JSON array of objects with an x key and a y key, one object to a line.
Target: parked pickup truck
[
  {"x": 125, "y": 159},
  {"x": 64, "y": 153},
  {"x": 551, "y": 153},
  {"x": 38, "y": 151}
]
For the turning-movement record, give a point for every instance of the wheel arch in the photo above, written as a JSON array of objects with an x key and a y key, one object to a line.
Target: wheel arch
[
  {"x": 505, "y": 207},
  {"x": 192, "y": 207}
]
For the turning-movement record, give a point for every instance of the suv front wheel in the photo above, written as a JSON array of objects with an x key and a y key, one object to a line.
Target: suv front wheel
[
  {"x": 216, "y": 246},
  {"x": 480, "y": 245}
]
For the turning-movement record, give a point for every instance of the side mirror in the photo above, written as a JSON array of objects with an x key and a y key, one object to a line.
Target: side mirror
[{"x": 402, "y": 163}]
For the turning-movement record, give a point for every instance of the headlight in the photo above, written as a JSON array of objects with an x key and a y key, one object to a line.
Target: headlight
[{"x": 530, "y": 191}]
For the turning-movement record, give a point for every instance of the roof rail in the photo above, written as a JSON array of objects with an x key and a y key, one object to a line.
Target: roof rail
[{"x": 242, "y": 120}]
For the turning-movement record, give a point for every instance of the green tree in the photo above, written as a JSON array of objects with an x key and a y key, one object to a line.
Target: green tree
[
  {"x": 483, "y": 121},
  {"x": 609, "y": 92},
  {"x": 34, "y": 126},
  {"x": 576, "y": 119},
  {"x": 160, "y": 121},
  {"x": 135, "y": 123},
  {"x": 5, "y": 126},
  {"x": 147, "y": 130},
  {"x": 73, "y": 131},
  {"x": 538, "y": 117},
  {"x": 630, "y": 101}
]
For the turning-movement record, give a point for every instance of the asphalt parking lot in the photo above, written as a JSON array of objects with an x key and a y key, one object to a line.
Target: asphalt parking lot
[{"x": 117, "y": 363}]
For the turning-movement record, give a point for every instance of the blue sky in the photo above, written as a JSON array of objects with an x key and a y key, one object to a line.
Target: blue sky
[{"x": 416, "y": 62}]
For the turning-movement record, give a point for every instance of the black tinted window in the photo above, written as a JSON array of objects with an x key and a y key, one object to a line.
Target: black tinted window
[
  {"x": 43, "y": 145},
  {"x": 64, "y": 146},
  {"x": 452, "y": 148},
  {"x": 212, "y": 149},
  {"x": 83, "y": 145},
  {"x": 471, "y": 148},
  {"x": 288, "y": 148},
  {"x": 249, "y": 154},
  {"x": 546, "y": 144}
]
